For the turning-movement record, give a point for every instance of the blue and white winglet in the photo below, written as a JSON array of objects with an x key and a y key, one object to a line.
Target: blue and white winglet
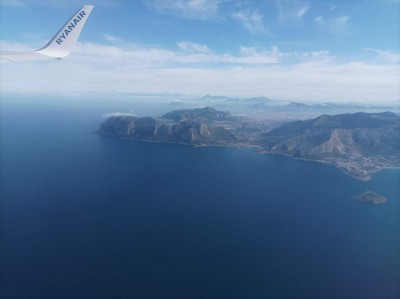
[{"x": 60, "y": 45}]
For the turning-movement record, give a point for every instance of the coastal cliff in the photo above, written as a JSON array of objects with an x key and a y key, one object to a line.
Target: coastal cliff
[{"x": 180, "y": 126}]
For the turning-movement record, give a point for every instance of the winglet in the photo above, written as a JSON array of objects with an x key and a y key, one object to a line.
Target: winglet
[{"x": 65, "y": 39}]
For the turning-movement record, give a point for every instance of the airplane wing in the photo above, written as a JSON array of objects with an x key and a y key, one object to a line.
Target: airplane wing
[{"x": 60, "y": 45}]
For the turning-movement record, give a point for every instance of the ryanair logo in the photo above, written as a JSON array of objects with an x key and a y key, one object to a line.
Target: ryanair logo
[{"x": 70, "y": 27}]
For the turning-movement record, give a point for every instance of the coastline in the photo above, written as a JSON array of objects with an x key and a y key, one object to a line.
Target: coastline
[{"x": 366, "y": 176}]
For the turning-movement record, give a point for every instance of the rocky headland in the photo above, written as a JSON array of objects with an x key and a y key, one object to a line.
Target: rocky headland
[{"x": 359, "y": 144}]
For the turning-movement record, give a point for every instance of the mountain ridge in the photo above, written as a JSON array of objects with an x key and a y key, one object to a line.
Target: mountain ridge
[{"x": 359, "y": 143}]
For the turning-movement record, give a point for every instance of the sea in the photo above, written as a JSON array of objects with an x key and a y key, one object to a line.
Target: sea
[{"x": 83, "y": 216}]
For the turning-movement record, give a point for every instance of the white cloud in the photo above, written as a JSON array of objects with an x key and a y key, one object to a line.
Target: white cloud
[
  {"x": 386, "y": 56},
  {"x": 291, "y": 12},
  {"x": 333, "y": 25},
  {"x": 251, "y": 20},
  {"x": 191, "y": 53},
  {"x": 317, "y": 55},
  {"x": 189, "y": 9},
  {"x": 302, "y": 11},
  {"x": 110, "y": 38},
  {"x": 251, "y": 55},
  {"x": 251, "y": 72},
  {"x": 14, "y": 46},
  {"x": 193, "y": 47}
]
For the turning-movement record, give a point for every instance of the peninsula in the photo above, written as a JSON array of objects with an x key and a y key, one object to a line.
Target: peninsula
[{"x": 359, "y": 144}]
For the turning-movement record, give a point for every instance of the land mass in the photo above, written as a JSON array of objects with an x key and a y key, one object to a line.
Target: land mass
[
  {"x": 359, "y": 144},
  {"x": 370, "y": 197}
]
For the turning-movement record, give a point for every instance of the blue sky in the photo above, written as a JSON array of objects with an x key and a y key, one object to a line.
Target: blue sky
[{"x": 284, "y": 49}]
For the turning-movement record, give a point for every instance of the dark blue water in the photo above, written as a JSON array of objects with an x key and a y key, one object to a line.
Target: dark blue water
[{"x": 90, "y": 217}]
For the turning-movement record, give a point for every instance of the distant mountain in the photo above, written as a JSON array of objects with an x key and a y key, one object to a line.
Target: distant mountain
[
  {"x": 273, "y": 105},
  {"x": 259, "y": 100},
  {"x": 297, "y": 105},
  {"x": 254, "y": 100},
  {"x": 359, "y": 143},
  {"x": 217, "y": 98},
  {"x": 176, "y": 104}
]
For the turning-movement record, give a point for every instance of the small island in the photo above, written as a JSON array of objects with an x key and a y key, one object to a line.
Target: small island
[{"x": 370, "y": 197}]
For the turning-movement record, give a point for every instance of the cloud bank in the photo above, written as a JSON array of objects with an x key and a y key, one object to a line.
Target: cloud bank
[{"x": 195, "y": 69}]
